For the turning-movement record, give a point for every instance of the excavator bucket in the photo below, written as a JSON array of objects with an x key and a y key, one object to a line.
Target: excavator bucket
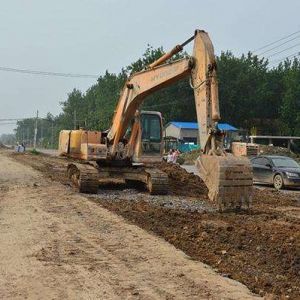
[{"x": 229, "y": 180}]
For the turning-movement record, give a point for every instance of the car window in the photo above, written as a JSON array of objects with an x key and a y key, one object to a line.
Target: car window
[
  {"x": 285, "y": 162},
  {"x": 258, "y": 161},
  {"x": 265, "y": 162}
]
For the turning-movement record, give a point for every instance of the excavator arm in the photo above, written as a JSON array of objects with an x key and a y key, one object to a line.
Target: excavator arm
[
  {"x": 228, "y": 178},
  {"x": 138, "y": 87}
]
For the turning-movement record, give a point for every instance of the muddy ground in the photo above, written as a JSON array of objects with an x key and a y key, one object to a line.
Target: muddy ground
[{"x": 260, "y": 248}]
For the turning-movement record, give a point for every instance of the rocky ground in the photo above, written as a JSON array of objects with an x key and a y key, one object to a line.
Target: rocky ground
[{"x": 260, "y": 248}]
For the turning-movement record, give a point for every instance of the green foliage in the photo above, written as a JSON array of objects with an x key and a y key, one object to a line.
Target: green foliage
[
  {"x": 242, "y": 88},
  {"x": 290, "y": 108},
  {"x": 34, "y": 152},
  {"x": 147, "y": 58},
  {"x": 101, "y": 99}
]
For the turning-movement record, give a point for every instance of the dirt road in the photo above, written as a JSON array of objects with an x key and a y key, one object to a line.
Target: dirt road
[{"x": 55, "y": 244}]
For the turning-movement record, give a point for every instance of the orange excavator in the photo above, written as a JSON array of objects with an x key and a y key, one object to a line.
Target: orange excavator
[{"x": 134, "y": 142}]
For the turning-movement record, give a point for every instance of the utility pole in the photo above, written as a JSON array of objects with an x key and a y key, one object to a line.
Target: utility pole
[
  {"x": 35, "y": 129},
  {"x": 27, "y": 137},
  {"x": 75, "y": 121},
  {"x": 42, "y": 130},
  {"x": 52, "y": 134}
]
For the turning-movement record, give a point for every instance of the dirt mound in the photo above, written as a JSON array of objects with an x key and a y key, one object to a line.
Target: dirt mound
[
  {"x": 183, "y": 183},
  {"x": 273, "y": 150}
]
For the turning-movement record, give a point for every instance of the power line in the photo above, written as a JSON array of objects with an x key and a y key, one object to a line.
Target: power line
[
  {"x": 47, "y": 73},
  {"x": 279, "y": 45},
  {"x": 283, "y": 50},
  {"x": 19, "y": 119},
  {"x": 8, "y": 123},
  {"x": 284, "y": 58},
  {"x": 281, "y": 39}
]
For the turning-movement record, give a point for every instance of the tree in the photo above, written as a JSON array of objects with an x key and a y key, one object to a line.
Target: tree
[
  {"x": 243, "y": 89},
  {"x": 290, "y": 108},
  {"x": 74, "y": 109}
]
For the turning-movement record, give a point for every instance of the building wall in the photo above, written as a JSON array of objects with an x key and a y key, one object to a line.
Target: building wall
[
  {"x": 182, "y": 134},
  {"x": 189, "y": 133},
  {"x": 172, "y": 130}
]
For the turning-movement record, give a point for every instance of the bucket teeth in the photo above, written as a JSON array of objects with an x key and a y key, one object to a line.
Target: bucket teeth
[{"x": 229, "y": 180}]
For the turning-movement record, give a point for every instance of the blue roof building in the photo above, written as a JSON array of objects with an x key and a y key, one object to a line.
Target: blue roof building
[
  {"x": 194, "y": 125},
  {"x": 188, "y": 131}
]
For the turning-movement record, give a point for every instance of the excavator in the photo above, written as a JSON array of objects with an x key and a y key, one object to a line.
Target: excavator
[{"x": 134, "y": 142}]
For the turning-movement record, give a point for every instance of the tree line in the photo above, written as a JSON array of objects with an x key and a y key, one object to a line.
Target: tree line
[{"x": 252, "y": 96}]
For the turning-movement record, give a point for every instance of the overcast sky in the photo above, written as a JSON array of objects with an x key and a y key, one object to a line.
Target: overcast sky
[{"x": 90, "y": 36}]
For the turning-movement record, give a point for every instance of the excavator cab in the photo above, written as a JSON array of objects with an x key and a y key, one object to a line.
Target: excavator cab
[{"x": 149, "y": 146}]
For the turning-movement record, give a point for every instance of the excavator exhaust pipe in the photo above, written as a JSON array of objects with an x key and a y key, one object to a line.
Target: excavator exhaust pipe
[{"x": 229, "y": 180}]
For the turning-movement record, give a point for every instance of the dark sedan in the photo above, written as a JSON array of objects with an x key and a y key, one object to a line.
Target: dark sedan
[{"x": 279, "y": 171}]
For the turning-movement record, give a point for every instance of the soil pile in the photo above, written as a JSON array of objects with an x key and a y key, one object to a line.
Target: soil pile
[
  {"x": 273, "y": 150},
  {"x": 183, "y": 183},
  {"x": 191, "y": 156}
]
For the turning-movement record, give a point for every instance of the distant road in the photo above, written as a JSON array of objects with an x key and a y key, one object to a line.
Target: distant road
[{"x": 51, "y": 152}]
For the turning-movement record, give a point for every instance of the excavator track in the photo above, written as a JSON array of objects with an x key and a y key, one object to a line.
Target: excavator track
[
  {"x": 84, "y": 177},
  {"x": 157, "y": 182}
]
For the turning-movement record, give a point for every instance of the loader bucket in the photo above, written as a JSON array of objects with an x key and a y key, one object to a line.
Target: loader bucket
[{"x": 229, "y": 180}]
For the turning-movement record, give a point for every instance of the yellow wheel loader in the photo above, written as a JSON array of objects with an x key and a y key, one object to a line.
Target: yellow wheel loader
[{"x": 135, "y": 140}]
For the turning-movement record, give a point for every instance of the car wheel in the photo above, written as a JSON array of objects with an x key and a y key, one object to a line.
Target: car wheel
[{"x": 278, "y": 182}]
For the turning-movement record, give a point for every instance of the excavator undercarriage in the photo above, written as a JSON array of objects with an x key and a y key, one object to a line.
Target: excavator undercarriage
[{"x": 88, "y": 177}]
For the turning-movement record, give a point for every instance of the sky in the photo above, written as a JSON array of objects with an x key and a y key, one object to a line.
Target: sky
[{"x": 91, "y": 36}]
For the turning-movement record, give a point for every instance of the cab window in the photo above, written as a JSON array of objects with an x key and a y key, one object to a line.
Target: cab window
[{"x": 151, "y": 134}]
